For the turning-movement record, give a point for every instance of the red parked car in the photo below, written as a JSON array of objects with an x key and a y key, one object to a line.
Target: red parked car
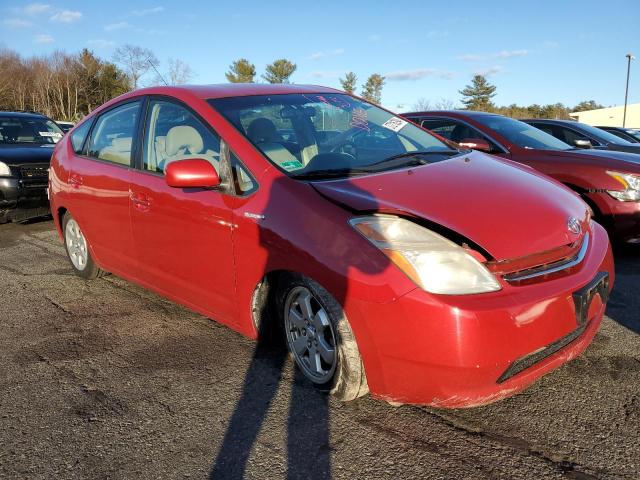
[
  {"x": 608, "y": 181},
  {"x": 390, "y": 262}
]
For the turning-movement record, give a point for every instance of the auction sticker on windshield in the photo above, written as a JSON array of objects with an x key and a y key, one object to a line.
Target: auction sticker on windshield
[{"x": 395, "y": 124}]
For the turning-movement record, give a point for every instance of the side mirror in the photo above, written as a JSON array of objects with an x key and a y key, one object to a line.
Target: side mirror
[
  {"x": 191, "y": 173},
  {"x": 582, "y": 143},
  {"x": 476, "y": 144}
]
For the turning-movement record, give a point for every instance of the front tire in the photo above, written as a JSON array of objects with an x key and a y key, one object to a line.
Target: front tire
[
  {"x": 320, "y": 338},
  {"x": 78, "y": 249}
]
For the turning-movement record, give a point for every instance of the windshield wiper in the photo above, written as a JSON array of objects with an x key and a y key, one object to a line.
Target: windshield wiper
[
  {"x": 406, "y": 157},
  {"x": 330, "y": 173}
]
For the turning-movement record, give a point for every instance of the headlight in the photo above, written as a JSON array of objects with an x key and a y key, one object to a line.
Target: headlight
[
  {"x": 434, "y": 263},
  {"x": 631, "y": 183},
  {"x": 5, "y": 171}
]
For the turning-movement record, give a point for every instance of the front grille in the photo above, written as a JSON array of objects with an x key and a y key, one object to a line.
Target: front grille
[
  {"x": 544, "y": 271},
  {"x": 34, "y": 175}
]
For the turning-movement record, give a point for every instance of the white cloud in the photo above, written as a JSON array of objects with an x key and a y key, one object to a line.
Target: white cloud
[
  {"x": 66, "y": 16},
  {"x": 116, "y": 26},
  {"x": 417, "y": 74},
  {"x": 101, "y": 43},
  {"x": 472, "y": 57},
  {"x": 324, "y": 74},
  {"x": 16, "y": 23},
  {"x": 375, "y": 38},
  {"x": 550, "y": 44},
  {"x": 487, "y": 72},
  {"x": 511, "y": 53},
  {"x": 37, "y": 8},
  {"x": 469, "y": 57},
  {"x": 43, "y": 38},
  {"x": 438, "y": 33},
  {"x": 326, "y": 53},
  {"x": 147, "y": 11}
]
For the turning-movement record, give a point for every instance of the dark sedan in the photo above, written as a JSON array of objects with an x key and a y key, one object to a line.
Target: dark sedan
[
  {"x": 582, "y": 135},
  {"x": 26, "y": 145},
  {"x": 629, "y": 134}
]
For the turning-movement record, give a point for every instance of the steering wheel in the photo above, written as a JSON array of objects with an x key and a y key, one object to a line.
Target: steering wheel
[{"x": 347, "y": 147}]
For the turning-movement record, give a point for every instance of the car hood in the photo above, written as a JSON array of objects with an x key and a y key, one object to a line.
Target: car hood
[
  {"x": 510, "y": 211},
  {"x": 15, "y": 155},
  {"x": 604, "y": 158},
  {"x": 631, "y": 148}
]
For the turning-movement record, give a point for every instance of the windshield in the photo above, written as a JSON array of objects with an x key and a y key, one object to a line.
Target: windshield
[
  {"x": 522, "y": 134},
  {"x": 329, "y": 134},
  {"x": 38, "y": 130},
  {"x": 603, "y": 135}
]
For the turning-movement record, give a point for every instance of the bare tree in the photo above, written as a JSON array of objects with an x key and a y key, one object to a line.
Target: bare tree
[
  {"x": 445, "y": 104},
  {"x": 421, "y": 105},
  {"x": 179, "y": 72},
  {"x": 135, "y": 61}
]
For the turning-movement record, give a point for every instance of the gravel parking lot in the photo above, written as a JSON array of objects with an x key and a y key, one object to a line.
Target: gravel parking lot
[{"x": 105, "y": 380}]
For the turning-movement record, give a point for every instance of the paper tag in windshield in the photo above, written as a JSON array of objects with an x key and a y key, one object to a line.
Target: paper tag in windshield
[
  {"x": 395, "y": 124},
  {"x": 291, "y": 165},
  {"x": 55, "y": 136}
]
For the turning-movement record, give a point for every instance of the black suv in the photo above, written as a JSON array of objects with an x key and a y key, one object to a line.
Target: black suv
[{"x": 26, "y": 143}]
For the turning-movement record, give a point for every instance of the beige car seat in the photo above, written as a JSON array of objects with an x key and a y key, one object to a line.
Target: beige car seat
[
  {"x": 181, "y": 143},
  {"x": 119, "y": 151}
]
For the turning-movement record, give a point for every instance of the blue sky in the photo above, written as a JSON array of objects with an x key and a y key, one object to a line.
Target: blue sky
[{"x": 533, "y": 51}]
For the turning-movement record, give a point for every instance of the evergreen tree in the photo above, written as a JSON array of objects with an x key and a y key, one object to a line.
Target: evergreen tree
[
  {"x": 372, "y": 90},
  {"x": 349, "y": 82},
  {"x": 478, "y": 95},
  {"x": 279, "y": 71},
  {"x": 241, "y": 71}
]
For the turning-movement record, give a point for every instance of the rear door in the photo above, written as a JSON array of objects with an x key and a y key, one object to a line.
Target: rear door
[
  {"x": 99, "y": 185},
  {"x": 182, "y": 237}
]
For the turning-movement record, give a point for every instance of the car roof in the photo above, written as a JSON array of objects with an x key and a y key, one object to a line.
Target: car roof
[
  {"x": 466, "y": 113},
  {"x": 551, "y": 120},
  {"x": 238, "y": 89},
  {"x": 9, "y": 113}
]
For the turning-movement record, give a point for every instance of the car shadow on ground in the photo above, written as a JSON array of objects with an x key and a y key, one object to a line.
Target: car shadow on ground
[
  {"x": 308, "y": 451},
  {"x": 624, "y": 303}
]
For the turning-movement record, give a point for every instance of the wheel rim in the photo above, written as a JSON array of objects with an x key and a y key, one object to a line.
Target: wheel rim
[
  {"x": 76, "y": 245},
  {"x": 310, "y": 335}
]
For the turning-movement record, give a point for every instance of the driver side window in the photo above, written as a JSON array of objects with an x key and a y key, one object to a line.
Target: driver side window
[
  {"x": 174, "y": 133},
  {"x": 457, "y": 131}
]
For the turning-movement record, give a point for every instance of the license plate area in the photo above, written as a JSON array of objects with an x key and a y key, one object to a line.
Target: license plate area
[{"x": 583, "y": 297}]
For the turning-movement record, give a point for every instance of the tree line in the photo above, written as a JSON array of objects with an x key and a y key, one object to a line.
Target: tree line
[
  {"x": 68, "y": 86},
  {"x": 478, "y": 95}
]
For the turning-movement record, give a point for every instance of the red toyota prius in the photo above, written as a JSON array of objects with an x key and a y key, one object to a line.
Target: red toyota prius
[{"x": 389, "y": 262}]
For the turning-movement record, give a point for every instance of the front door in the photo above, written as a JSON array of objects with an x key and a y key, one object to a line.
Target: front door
[{"x": 182, "y": 237}]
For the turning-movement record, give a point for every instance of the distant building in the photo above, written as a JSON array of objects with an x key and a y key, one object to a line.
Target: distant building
[{"x": 610, "y": 117}]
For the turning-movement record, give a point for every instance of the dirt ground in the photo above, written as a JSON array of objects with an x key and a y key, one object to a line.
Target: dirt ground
[{"x": 104, "y": 380}]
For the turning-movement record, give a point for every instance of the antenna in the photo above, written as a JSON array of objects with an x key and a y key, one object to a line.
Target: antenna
[{"x": 156, "y": 70}]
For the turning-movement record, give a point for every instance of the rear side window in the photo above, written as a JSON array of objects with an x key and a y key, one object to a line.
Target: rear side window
[
  {"x": 79, "y": 135},
  {"x": 113, "y": 134}
]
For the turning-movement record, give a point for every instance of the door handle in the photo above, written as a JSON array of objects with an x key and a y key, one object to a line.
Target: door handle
[
  {"x": 75, "y": 180},
  {"x": 140, "y": 201}
]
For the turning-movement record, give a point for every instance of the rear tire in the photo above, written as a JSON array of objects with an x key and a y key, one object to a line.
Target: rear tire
[
  {"x": 78, "y": 249},
  {"x": 320, "y": 339}
]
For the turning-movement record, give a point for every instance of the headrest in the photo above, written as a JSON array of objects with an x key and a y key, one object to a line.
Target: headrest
[
  {"x": 121, "y": 144},
  {"x": 182, "y": 138},
  {"x": 261, "y": 130}
]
